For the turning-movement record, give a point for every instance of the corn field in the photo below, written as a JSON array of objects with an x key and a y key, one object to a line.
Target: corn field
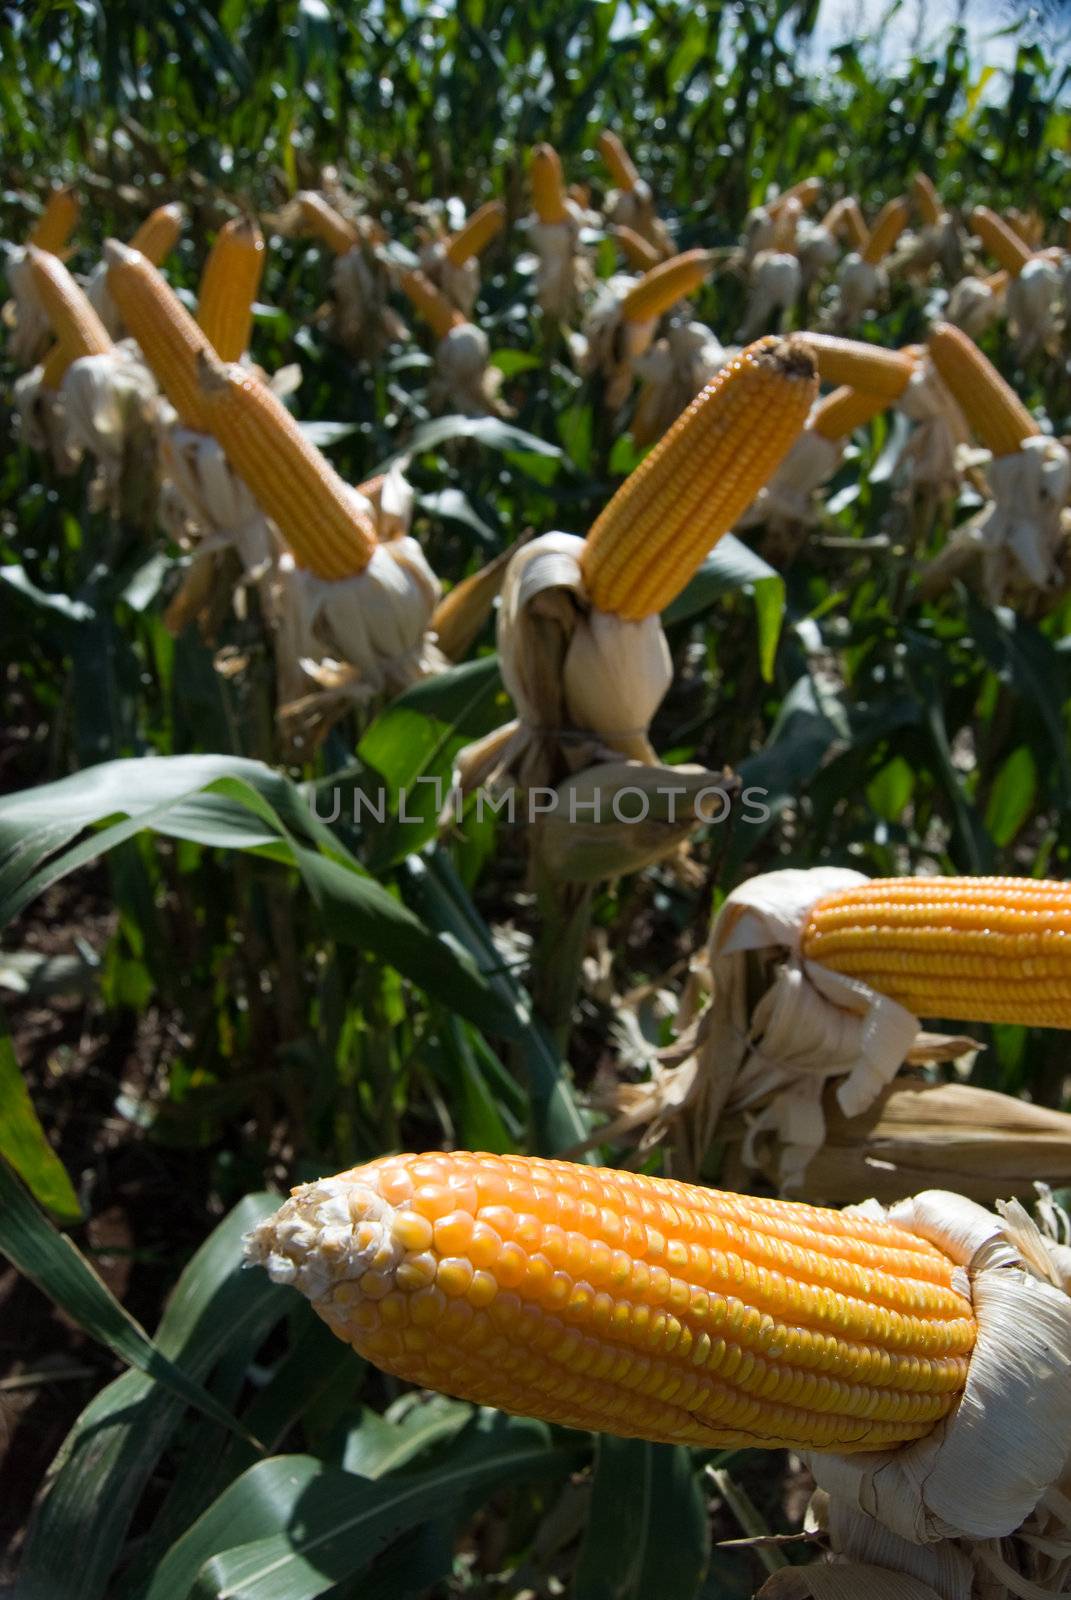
[{"x": 535, "y": 577}]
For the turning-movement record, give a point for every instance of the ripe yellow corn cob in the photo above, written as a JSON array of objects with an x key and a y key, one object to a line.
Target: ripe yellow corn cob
[
  {"x": 990, "y": 405},
  {"x": 228, "y": 288},
  {"x": 855, "y": 224},
  {"x": 806, "y": 192},
  {"x": 863, "y": 366},
  {"x": 1002, "y": 242},
  {"x": 638, "y": 253},
  {"x": 891, "y": 221},
  {"x": 473, "y": 239},
  {"x": 291, "y": 481},
  {"x": 548, "y": 190},
  {"x": 77, "y": 327},
  {"x": 637, "y": 1306},
  {"x": 57, "y": 221},
  {"x": 700, "y": 477},
  {"x": 326, "y": 224},
  {"x": 619, "y": 163},
  {"x": 846, "y": 409},
  {"x": 963, "y": 949},
  {"x": 1028, "y": 225},
  {"x": 166, "y": 334},
  {"x": 926, "y": 198},
  {"x": 434, "y": 307},
  {"x": 665, "y": 284},
  {"x": 158, "y": 234}
]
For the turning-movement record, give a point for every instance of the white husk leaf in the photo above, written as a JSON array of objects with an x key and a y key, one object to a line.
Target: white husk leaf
[
  {"x": 463, "y": 380},
  {"x": 42, "y": 421},
  {"x": 935, "y": 244},
  {"x": 364, "y": 321},
  {"x": 816, "y": 248},
  {"x": 109, "y": 401},
  {"x": 635, "y": 208},
  {"x": 790, "y": 500},
  {"x": 24, "y": 315},
  {"x": 561, "y": 269},
  {"x": 207, "y": 503},
  {"x": 99, "y": 297},
  {"x": 584, "y": 683},
  {"x": 760, "y": 231},
  {"x": 1034, "y": 302},
  {"x": 460, "y": 285},
  {"x": 775, "y": 281},
  {"x": 673, "y": 371},
  {"x": 974, "y": 305},
  {"x": 931, "y": 455},
  {"x": 860, "y": 288},
  {"x": 392, "y": 503},
  {"x": 608, "y": 344}
]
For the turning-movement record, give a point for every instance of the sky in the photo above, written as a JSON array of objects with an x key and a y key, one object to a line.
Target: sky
[{"x": 924, "y": 21}]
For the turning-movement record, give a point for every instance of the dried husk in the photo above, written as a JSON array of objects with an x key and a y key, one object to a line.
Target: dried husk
[
  {"x": 1017, "y": 544},
  {"x": 983, "y": 1144},
  {"x": 776, "y": 1031},
  {"x": 562, "y": 270},
  {"x": 790, "y": 500},
  {"x": 1034, "y": 303},
  {"x": 585, "y": 684},
  {"x": 775, "y": 284},
  {"x": 672, "y": 372},
  {"x": 622, "y": 816},
  {"x": 463, "y": 381},
  {"x": 936, "y": 244},
  {"x": 931, "y": 457},
  {"x": 609, "y": 345},
  {"x": 760, "y": 233},
  {"x": 860, "y": 287},
  {"x": 364, "y": 321},
  {"x": 635, "y": 208},
  {"x": 461, "y": 614},
  {"x": 459, "y": 284},
  {"x": 42, "y": 422},
  {"x": 817, "y": 250},
  {"x": 110, "y": 406},
  {"x": 974, "y": 305}
]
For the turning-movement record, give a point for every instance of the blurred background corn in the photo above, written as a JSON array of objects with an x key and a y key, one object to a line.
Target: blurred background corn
[
  {"x": 638, "y": 253},
  {"x": 960, "y": 949},
  {"x": 700, "y": 477},
  {"x": 326, "y": 224},
  {"x": 472, "y": 239},
  {"x": 57, "y": 221},
  {"x": 891, "y": 221},
  {"x": 619, "y": 163},
  {"x": 77, "y": 328},
  {"x": 434, "y": 307},
  {"x": 167, "y": 335},
  {"x": 292, "y": 482},
  {"x": 158, "y": 235},
  {"x": 991, "y": 406},
  {"x": 1002, "y": 242},
  {"x": 855, "y": 224},
  {"x": 662, "y": 286},
  {"x": 229, "y": 285},
  {"x": 846, "y": 409},
  {"x": 805, "y": 192},
  {"x": 926, "y": 198},
  {"x": 864, "y": 366},
  {"x": 548, "y": 190},
  {"x": 638, "y": 1306}
]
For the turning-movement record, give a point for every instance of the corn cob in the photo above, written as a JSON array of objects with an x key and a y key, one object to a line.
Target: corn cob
[
  {"x": 473, "y": 239},
  {"x": 326, "y": 224},
  {"x": 638, "y": 1306},
  {"x": 855, "y": 224},
  {"x": 846, "y": 409},
  {"x": 158, "y": 234},
  {"x": 638, "y": 253},
  {"x": 78, "y": 329},
  {"x": 167, "y": 335},
  {"x": 291, "y": 481},
  {"x": 1028, "y": 225},
  {"x": 1000, "y": 240},
  {"x": 57, "y": 221},
  {"x": 228, "y": 287},
  {"x": 699, "y": 478},
  {"x": 926, "y": 198},
  {"x": 964, "y": 949},
  {"x": 863, "y": 366},
  {"x": 548, "y": 192},
  {"x": 990, "y": 405},
  {"x": 806, "y": 192},
  {"x": 665, "y": 284},
  {"x": 891, "y": 221},
  {"x": 434, "y": 307},
  {"x": 619, "y": 163}
]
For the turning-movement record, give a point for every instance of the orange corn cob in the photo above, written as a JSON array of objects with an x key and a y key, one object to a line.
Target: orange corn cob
[
  {"x": 326, "y": 224},
  {"x": 637, "y": 1306},
  {"x": 806, "y": 192},
  {"x": 964, "y": 949},
  {"x": 891, "y": 221},
  {"x": 665, "y": 284},
  {"x": 77, "y": 327},
  {"x": 167, "y": 335},
  {"x": 638, "y": 253},
  {"x": 291, "y": 481},
  {"x": 846, "y": 409},
  {"x": 548, "y": 192},
  {"x": 864, "y": 366},
  {"x": 699, "y": 478},
  {"x": 855, "y": 224},
  {"x": 476, "y": 235},
  {"x": 57, "y": 221},
  {"x": 990, "y": 405},
  {"x": 1028, "y": 225},
  {"x": 158, "y": 234},
  {"x": 228, "y": 288},
  {"x": 434, "y": 307},
  {"x": 1000, "y": 240},
  {"x": 926, "y": 198},
  {"x": 619, "y": 163}
]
